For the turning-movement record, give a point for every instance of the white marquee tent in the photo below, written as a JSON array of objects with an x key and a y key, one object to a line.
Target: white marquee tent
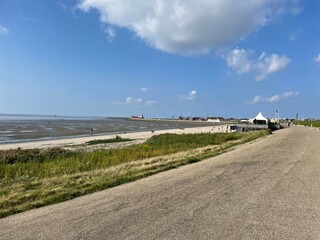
[{"x": 260, "y": 119}]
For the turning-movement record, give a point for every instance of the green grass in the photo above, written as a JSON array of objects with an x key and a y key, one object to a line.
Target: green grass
[
  {"x": 57, "y": 175},
  {"x": 111, "y": 140},
  {"x": 308, "y": 123},
  {"x": 35, "y": 164}
]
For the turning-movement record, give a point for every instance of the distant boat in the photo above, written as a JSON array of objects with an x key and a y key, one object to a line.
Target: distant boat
[{"x": 136, "y": 117}]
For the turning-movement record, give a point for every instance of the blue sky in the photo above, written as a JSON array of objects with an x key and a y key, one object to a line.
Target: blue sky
[{"x": 160, "y": 58}]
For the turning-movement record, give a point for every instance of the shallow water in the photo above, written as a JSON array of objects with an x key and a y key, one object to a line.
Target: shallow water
[{"x": 30, "y": 128}]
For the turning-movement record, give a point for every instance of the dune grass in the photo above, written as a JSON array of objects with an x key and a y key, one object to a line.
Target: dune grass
[{"x": 34, "y": 178}]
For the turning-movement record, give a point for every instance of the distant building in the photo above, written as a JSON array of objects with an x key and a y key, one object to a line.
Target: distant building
[{"x": 214, "y": 120}]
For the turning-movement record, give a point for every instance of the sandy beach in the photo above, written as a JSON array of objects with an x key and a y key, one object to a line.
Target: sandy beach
[{"x": 66, "y": 142}]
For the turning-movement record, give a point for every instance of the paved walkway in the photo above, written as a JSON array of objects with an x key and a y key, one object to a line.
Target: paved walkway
[{"x": 269, "y": 189}]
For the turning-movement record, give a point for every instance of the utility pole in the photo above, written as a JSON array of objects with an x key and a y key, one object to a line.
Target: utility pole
[{"x": 277, "y": 115}]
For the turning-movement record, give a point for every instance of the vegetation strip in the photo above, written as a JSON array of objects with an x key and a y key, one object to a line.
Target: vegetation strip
[
  {"x": 308, "y": 123},
  {"x": 111, "y": 140},
  {"x": 52, "y": 178}
]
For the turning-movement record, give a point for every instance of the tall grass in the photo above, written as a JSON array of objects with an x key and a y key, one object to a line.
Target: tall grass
[{"x": 33, "y": 178}]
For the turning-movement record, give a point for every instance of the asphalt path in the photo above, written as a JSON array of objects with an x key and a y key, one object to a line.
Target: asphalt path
[{"x": 267, "y": 189}]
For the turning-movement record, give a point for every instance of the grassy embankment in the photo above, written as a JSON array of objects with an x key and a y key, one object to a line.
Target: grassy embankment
[
  {"x": 308, "y": 123},
  {"x": 35, "y": 178}
]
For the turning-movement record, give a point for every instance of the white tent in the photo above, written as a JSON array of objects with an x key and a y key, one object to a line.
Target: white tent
[{"x": 260, "y": 119}]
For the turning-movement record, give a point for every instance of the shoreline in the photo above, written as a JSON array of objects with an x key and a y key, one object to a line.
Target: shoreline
[
  {"x": 71, "y": 141},
  {"x": 20, "y": 131}
]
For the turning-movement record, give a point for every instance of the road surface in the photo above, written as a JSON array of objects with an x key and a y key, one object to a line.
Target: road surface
[{"x": 268, "y": 189}]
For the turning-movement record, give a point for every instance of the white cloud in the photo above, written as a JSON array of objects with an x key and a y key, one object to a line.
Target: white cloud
[
  {"x": 257, "y": 99},
  {"x": 189, "y": 97},
  {"x": 317, "y": 58},
  {"x": 274, "y": 98},
  {"x": 271, "y": 64},
  {"x": 193, "y": 26},
  {"x": 4, "y": 31},
  {"x": 239, "y": 60},
  {"x": 143, "y": 89},
  {"x": 192, "y": 95}
]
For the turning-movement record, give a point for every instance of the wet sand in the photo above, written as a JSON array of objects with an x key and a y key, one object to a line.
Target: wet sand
[{"x": 26, "y": 130}]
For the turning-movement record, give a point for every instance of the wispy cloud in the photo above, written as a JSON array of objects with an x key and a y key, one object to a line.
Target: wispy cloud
[
  {"x": 68, "y": 9},
  {"x": 241, "y": 61},
  {"x": 189, "y": 97},
  {"x": 151, "y": 103},
  {"x": 62, "y": 5},
  {"x": 143, "y": 89},
  {"x": 27, "y": 22},
  {"x": 110, "y": 32},
  {"x": 3, "y": 30},
  {"x": 294, "y": 35},
  {"x": 317, "y": 58},
  {"x": 274, "y": 98},
  {"x": 290, "y": 94},
  {"x": 130, "y": 101}
]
